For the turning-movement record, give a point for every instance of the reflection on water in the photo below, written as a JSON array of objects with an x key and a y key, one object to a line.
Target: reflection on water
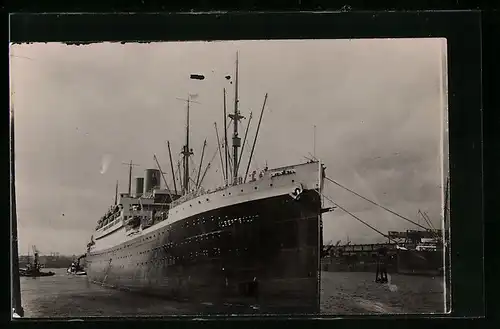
[
  {"x": 357, "y": 293},
  {"x": 65, "y": 295}
]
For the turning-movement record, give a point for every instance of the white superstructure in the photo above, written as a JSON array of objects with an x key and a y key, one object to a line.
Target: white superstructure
[{"x": 276, "y": 182}]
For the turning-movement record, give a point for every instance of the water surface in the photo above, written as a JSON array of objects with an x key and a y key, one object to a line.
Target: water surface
[{"x": 65, "y": 295}]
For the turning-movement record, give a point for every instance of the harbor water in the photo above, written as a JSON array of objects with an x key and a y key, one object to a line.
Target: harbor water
[{"x": 64, "y": 295}]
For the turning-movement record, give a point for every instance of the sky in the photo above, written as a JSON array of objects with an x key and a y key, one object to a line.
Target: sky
[{"x": 81, "y": 111}]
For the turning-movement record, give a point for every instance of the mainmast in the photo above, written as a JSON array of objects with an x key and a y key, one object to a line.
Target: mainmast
[
  {"x": 186, "y": 152},
  {"x": 236, "y": 117}
]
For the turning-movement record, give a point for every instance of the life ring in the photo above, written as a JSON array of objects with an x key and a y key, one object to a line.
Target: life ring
[{"x": 297, "y": 192}]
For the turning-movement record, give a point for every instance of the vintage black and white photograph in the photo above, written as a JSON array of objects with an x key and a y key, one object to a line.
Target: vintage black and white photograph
[{"x": 230, "y": 177}]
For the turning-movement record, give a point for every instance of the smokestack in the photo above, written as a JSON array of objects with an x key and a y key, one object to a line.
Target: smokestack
[
  {"x": 151, "y": 180},
  {"x": 139, "y": 186}
]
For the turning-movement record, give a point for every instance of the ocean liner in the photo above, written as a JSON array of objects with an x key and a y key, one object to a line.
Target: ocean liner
[{"x": 252, "y": 242}]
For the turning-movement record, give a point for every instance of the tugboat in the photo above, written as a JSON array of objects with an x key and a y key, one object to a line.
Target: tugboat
[
  {"x": 33, "y": 269},
  {"x": 75, "y": 267}
]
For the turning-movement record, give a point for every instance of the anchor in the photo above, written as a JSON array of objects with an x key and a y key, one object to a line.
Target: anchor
[{"x": 327, "y": 209}]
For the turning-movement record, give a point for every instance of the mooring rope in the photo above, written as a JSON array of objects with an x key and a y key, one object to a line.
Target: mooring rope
[
  {"x": 357, "y": 218},
  {"x": 376, "y": 204}
]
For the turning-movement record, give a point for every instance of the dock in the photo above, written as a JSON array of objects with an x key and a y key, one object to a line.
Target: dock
[{"x": 408, "y": 256}]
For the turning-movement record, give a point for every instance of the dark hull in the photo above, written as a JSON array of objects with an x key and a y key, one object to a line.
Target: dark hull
[
  {"x": 35, "y": 275},
  {"x": 263, "y": 252},
  {"x": 414, "y": 262}
]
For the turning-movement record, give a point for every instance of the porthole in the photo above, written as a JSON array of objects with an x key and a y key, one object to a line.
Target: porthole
[
  {"x": 293, "y": 180},
  {"x": 255, "y": 187},
  {"x": 271, "y": 184},
  {"x": 199, "y": 202},
  {"x": 241, "y": 190}
]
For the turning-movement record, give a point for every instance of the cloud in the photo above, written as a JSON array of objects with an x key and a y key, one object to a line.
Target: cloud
[{"x": 106, "y": 161}]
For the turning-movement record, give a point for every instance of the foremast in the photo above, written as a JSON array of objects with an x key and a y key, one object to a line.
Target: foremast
[
  {"x": 130, "y": 166},
  {"x": 186, "y": 153}
]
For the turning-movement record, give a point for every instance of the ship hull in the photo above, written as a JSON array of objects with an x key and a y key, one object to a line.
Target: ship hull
[
  {"x": 426, "y": 263},
  {"x": 261, "y": 252}
]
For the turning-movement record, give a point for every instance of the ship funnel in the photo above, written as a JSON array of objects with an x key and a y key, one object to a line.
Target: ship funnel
[
  {"x": 151, "y": 180},
  {"x": 139, "y": 186}
]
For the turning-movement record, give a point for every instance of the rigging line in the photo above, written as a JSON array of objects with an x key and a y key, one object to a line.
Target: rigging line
[
  {"x": 432, "y": 228},
  {"x": 193, "y": 172},
  {"x": 192, "y": 180},
  {"x": 254, "y": 158},
  {"x": 426, "y": 220},
  {"x": 193, "y": 163},
  {"x": 376, "y": 204},
  {"x": 213, "y": 156},
  {"x": 209, "y": 164},
  {"x": 254, "y": 161},
  {"x": 429, "y": 220},
  {"x": 180, "y": 174},
  {"x": 172, "y": 167},
  {"x": 177, "y": 170},
  {"x": 220, "y": 150},
  {"x": 244, "y": 140},
  {"x": 419, "y": 216},
  {"x": 203, "y": 177},
  {"x": 355, "y": 217},
  {"x": 255, "y": 139},
  {"x": 162, "y": 175},
  {"x": 220, "y": 143},
  {"x": 231, "y": 165}
]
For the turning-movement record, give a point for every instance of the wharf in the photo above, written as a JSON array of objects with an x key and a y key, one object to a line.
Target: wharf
[{"x": 364, "y": 258}]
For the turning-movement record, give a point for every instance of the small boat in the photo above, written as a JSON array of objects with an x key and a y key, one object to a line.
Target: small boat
[
  {"x": 32, "y": 270},
  {"x": 73, "y": 271},
  {"x": 75, "y": 268}
]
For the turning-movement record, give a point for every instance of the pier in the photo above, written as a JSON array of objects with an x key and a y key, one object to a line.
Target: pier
[
  {"x": 399, "y": 259},
  {"x": 358, "y": 258}
]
